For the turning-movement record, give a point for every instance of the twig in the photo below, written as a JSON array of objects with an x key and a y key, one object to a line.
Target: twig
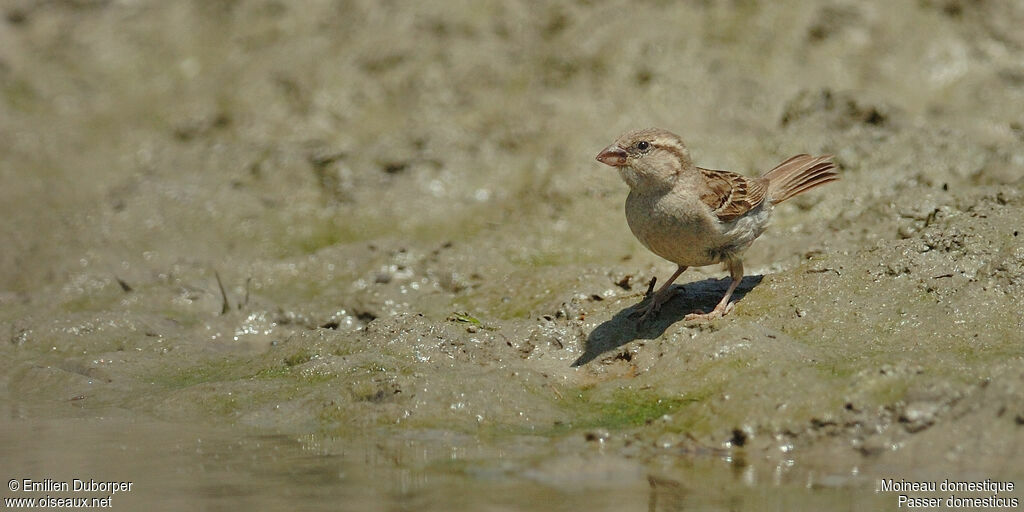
[
  {"x": 650, "y": 287},
  {"x": 822, "y": 270},
  {"x": 244, "y": 303},
  {"x": 225, "y": 305},
  {"x": 125, "y": 287}
]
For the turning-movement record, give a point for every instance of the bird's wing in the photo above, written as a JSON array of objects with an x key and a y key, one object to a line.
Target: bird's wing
[{"x": 730, "y": 195}]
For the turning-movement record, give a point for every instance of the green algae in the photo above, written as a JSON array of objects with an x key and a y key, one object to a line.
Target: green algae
[{"x": 629, "y": 409}]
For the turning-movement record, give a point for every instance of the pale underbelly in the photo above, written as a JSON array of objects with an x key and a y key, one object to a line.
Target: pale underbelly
[{"x": 692, "y": 240}]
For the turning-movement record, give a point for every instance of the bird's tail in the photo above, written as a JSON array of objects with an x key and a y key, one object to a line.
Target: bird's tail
[{"x": 798, "y": 175}]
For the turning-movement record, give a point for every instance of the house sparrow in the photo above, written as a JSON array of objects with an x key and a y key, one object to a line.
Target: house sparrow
[{"x": 693, "y": 216}]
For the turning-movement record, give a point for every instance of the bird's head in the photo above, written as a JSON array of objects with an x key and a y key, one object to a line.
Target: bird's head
[{"x": 649, "y": 159}]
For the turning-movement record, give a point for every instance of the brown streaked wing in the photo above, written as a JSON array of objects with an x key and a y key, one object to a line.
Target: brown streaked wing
[{"x": 730, "y": 195}]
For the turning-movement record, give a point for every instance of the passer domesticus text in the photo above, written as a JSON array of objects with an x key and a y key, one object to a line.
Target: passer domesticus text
[{"x": 693, "y": 216}]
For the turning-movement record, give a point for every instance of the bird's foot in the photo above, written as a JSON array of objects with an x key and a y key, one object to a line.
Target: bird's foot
[
  {"x": 702, "y": 317},
  {"x": 653, "y": 306},
  {"x": 647, "y": 312}
]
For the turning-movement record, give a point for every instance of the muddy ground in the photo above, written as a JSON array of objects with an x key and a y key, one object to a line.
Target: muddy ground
[{"x": 363, "y": 250}]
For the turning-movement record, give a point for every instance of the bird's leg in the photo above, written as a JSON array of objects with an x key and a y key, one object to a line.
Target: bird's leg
[
  {"x": 723, "y": 307},
  {"x": 660, "y": 297}
]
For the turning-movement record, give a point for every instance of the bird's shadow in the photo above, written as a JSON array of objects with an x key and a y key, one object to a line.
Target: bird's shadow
[{"x": 621, "y": 329}]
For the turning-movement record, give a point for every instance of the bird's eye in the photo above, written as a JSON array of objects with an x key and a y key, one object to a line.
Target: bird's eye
[{"x": 643, "y": 145}]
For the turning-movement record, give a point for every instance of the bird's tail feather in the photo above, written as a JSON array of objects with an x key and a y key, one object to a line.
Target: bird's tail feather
[{"x": 798, "y": 175}]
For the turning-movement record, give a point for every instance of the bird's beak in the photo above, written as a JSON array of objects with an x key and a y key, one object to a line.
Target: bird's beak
[{"x": 613, "y": 156}]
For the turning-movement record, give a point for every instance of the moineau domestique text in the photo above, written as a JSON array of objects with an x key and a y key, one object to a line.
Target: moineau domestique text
[
  {"x": 986, "y": 485},
  {"x": 76, "y": 485}
]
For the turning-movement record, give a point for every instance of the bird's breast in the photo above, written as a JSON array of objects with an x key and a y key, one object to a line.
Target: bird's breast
[{"x": 676, "y": 227}]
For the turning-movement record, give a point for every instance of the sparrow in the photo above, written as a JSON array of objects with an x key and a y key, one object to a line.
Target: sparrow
[{"x": 693, "y": 216}]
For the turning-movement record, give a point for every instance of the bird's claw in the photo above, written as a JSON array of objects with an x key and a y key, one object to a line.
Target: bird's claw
[
  {"x": 646, "y": 313},
  {"x": 654, "y": 303}
]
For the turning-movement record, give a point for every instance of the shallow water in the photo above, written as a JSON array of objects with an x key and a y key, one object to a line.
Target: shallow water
[{"x": 172, "y": 466}]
